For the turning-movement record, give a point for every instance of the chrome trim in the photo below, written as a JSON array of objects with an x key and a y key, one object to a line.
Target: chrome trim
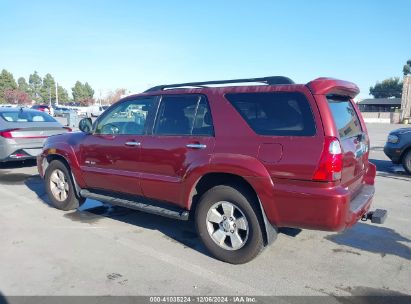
[
  {"x": 196, "y": 146},
  {"x": 132, "y": 143}
]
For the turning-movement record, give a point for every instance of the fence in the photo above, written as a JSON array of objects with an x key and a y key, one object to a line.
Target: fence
[{"x": 381, "y": 117}]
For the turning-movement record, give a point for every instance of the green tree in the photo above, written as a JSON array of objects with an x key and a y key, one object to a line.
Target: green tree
[
  {"x": 407, "y": 68},
  {"x": 63, "y": 95},
  {"x": 391, "y": 87},
  {"x": 82, "y": 93},
  {"x": 35, "y": 84},
  {"x": 48, "y": 89},
  {"x": 89, "y": 90},
  {"x": 7, "y": 82},
  {"x": 23, "y": 85}
]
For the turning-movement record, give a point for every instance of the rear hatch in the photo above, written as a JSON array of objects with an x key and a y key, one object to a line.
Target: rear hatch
[{"x": 354, "y": 142}]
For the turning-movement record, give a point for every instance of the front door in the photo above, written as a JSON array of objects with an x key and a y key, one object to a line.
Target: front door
[
  {"x": 182, "y": 136},
  {"x": 109, "y": 156}
]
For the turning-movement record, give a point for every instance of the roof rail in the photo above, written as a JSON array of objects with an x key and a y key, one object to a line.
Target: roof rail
[{"x": 271, "y": 80}]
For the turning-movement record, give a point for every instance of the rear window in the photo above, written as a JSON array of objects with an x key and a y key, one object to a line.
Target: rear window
[
  {"x": 345, "y": 117},
  {"x": 26, "y": 116},
  {"x": 275, "y": 113}
]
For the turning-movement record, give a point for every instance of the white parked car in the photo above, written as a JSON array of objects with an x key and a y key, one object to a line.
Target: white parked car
[
  {"x": 95, "y": 110},
  {"x": 81, "y": 111}
]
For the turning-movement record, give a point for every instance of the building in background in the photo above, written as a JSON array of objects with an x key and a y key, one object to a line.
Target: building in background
[{"x": 380, "y": 105}]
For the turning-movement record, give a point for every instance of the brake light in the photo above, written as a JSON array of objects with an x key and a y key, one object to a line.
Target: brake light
[
  {"x": 18, "y": 155},
  {"x": 11, "y": 134},
  {"x": 8, "y": 133},
  {"x": 331, "y": 161},
  {"x": 68, "y": 129}
]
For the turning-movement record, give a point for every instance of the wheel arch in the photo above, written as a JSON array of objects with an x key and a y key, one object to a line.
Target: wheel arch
[
  {"x": 211, "y": 179},
  {"x": 51, "y": 157},
  {"x": 406, "y": 150}
]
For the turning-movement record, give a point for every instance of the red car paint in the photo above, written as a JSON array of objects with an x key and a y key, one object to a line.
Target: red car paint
[{"x": 280, "y": 169}]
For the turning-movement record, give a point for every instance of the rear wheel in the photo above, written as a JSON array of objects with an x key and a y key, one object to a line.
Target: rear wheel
[
  {"x": 406, "y": 162},
  {"x": 60, "y": 187},
  {"x": 228, "y": 224}
]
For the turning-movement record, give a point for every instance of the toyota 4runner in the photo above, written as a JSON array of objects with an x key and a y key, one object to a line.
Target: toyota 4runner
[{"x": 241, "y": 160}]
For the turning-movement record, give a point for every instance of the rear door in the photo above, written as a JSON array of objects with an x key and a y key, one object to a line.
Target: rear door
[
  {"x": 354, "y": 140},
  {"x": 182, "y": 138}
]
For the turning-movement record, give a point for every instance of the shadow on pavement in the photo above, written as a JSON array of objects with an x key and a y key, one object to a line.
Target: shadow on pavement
[
  {"x": 92, "y": 211},
  {"x": 10, "y": 176},
  {"x": 18, "y": 164},
  {"x": 374, "y": 239},
  {"x": 386, "y": 168}
]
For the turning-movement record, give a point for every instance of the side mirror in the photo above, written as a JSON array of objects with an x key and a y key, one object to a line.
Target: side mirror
[{"x": 85, "y": 125}]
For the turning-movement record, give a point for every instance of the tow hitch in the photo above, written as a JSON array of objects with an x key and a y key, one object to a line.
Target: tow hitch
[{"x": 377, "y": 217}]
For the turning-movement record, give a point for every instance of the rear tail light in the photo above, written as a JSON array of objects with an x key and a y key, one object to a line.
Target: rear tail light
[
  {"x": 68, "y": 129},
  {"x": 331, "y": 161},
  {"x": 18, "y": 155},
  {"x": 8, "y": 133},
  {"x": 17, "y": 133}
]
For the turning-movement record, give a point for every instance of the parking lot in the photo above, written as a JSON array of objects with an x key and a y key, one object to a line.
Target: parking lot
[{"x": 104, "y": 250}]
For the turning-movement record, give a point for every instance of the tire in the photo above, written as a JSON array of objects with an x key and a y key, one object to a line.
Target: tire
[
  {"x": 217, "y": 227},
  {"x": 62, "y": 196},
  {"x": 406, "y": 161}
]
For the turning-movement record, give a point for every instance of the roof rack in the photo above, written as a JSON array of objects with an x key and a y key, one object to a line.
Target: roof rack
[{"x": 271, "y": 80}]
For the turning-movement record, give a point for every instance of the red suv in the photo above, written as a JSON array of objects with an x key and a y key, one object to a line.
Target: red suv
[
  {"x": 42, "y": 108},
  {"x": 241, "y": 160}
]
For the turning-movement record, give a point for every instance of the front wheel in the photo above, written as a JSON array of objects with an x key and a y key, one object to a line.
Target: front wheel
[
  {"x": 228, "y": 225},
  {"x": 60, "y": 187},
  {"x": 406, "y": 162}
]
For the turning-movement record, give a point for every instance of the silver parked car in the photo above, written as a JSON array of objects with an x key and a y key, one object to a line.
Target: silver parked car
[
  {"x": 23, "y": 131},
  {"x": 58, "y": 111}
]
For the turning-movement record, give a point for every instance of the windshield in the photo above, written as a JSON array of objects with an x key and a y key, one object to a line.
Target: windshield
[{"x": 26, "y": 116}]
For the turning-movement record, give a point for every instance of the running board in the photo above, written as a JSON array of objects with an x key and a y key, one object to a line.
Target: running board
[{"x": 170, "y": 212}]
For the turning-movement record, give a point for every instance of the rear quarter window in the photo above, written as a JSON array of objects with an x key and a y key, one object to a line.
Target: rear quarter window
[
  {"x": 345, "y": 117},
  {"x": 275, "y": 113}
]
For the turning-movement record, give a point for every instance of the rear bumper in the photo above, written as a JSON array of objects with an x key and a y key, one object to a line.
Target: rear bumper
[
  {"x": 28, "y": 150},
  {"x": 313, "y": 205},
  {"x": 360, "y": 205}
]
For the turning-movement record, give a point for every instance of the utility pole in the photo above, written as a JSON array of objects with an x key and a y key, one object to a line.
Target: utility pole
[{"x": 57, "y": 95}]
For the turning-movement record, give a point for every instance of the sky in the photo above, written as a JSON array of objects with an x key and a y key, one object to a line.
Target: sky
[{"x": 137, "y": 44}]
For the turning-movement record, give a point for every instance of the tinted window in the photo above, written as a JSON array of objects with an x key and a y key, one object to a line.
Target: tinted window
[
  {"x": 345, "y": 118},
  {"x": 275, "y": 113},
  {"x": 127, "y": 118},
  {"x": 26, "y": 116},
  {"x": 183, "y": 115},
  {"x": 203, "y": 124}
]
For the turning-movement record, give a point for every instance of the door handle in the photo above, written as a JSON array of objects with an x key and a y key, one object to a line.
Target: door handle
[
  {"x": 132, "y": 143},
  {"x": 196, "y": 146}
]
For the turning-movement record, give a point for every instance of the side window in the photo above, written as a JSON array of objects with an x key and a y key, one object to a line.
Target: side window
[
  {"x": 203, "y": 124},
  {"x": 127, "y": 118},
  {"x": 184, "y": 115},
  {"x": 276, "y": 113}
]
